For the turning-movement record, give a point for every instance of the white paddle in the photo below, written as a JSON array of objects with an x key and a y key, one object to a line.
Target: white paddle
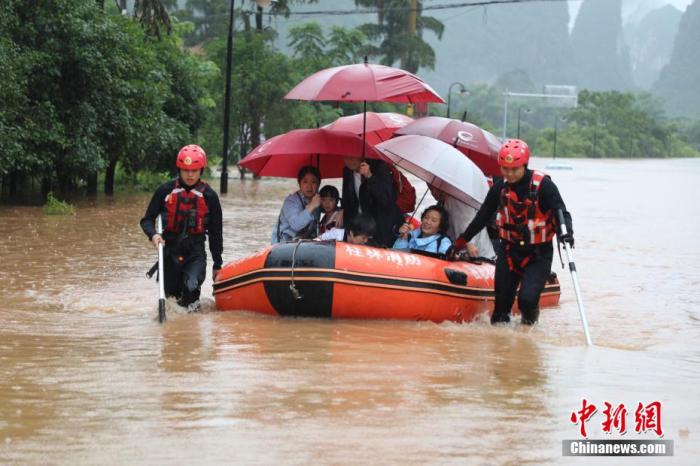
[
  {"x": 161, "y": 277},
  {"x": 572, "y": 269}
]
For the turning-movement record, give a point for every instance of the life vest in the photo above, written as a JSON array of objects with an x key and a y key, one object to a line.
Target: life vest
[
  {"x": 522, "y": 222},
  {"x": 178, "y": 205}
]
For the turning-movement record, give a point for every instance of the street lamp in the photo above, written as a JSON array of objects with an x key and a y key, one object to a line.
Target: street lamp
[
  {"x": 527, "y": 110},
  {"x": 462, "y": 90},
  {"x": 223, "y": 188},
  {"x": 556, "y": 128}
]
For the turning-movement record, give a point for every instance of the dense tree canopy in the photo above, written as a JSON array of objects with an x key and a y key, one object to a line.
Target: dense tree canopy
[
  {"x": 397, "y": 36},
  {"x": 88, "y": 88}
]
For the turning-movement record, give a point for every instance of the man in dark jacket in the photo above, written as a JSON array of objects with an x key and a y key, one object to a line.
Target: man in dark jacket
[
  {"x": 190, "y": 210},
  {"x": 368, "y": 188},
  {"x": 525, "y": 203}
]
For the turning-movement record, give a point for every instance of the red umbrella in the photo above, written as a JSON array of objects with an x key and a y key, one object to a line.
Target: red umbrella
[
  {"x": 380, "y": 126},
  {"x": 478, "y": 144},
  {"x": 285, "y": 154},
  {"x": 364, "y": 82}
]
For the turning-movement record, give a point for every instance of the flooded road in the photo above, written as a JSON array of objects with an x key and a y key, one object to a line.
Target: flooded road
[{"x": 87, "y": 376}]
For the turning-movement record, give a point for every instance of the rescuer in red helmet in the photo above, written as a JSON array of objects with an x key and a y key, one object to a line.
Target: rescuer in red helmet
[
  {"x": 525, "y": 203},
  {"x": 191, "y": 210}
]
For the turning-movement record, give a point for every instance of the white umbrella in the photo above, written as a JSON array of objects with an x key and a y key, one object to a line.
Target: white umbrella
[{"x": 438, "y": 164}]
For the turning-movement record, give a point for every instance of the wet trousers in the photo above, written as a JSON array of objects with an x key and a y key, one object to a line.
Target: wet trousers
[
  {"x": 185, "y": 272},
  {"x": 532, "y": 280}
]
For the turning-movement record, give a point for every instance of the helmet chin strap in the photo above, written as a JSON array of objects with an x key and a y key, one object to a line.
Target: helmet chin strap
[{"x": 184, "y": 183}]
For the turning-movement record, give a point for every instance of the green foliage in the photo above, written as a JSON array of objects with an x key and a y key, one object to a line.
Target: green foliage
[
  {"x": 313, "y": 50},
  {"x": 308, "y": 41},
  {"x": 615, "y": 124},
  {"x": 152, "y": 15},
  {"x": 146, "y": 181},
  {"x": 55, "y": 206},
  {"x": 605, "y": 124},
  {"x": 84, "y": 88},
  {"x": 690, "y": 133},
  {"x": 395, "y": 39},
  {"x": 261, "y": 77},
  {"x": 211, "y": 17}
]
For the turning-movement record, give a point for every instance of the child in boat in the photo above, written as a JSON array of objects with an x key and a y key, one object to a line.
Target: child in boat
[
  {"x": 360, "y": 231},
  {"x": 299, "y": 215},
  {"x": 432, "y": 234},
  {"x": 332, "y": 214}
]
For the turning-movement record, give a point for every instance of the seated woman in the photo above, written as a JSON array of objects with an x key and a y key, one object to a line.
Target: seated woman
[
  {"x": 332, "y": 214},
  {"x": 300, "y": 211},
  {"x": 460, "y": 216},
  {"x": 432, "y": 234}
]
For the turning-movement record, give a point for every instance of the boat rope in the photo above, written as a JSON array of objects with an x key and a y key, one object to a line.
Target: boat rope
[{"x": 295, "y": 292}]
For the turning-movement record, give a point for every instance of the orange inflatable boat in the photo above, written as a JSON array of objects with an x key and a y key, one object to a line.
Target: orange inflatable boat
[{"x": 341, "y": 280}]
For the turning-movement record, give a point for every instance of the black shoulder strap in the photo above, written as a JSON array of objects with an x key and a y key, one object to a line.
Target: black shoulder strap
[
  {"x": 439, "y": 241},
  {"x": 279, "y": 221}
]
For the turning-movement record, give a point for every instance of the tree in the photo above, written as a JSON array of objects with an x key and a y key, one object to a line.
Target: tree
[
  {"x": 152, "y": 14},
  {"x": 262, "y": 76},
  {"x": 615, "y": 124},
  {"x": 398, "y": 34},
  {"x": 88, "y": 89},
  {"x": 210, "y": 17}
]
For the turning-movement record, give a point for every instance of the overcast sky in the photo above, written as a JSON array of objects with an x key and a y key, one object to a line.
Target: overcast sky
[{"x": 633, "y": 8}]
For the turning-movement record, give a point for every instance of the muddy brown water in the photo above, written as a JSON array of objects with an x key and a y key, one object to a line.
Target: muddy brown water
[{"x": 87, "y": 376}]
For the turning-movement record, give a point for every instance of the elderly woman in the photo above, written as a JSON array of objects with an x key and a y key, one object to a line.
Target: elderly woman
[
  {"x": 432, "y": 234},
  {"x": 300, "y": 211}
]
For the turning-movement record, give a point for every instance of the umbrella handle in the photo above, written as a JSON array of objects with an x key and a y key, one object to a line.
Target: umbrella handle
[
  {"x": 364, "y": 125},
  {"x": 418, "y": 205}
]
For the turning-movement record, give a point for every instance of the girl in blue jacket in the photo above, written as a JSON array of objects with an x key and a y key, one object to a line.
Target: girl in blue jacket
[{"x": 432, "y": 234}]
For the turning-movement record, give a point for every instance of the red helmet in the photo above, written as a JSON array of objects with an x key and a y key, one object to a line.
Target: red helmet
[
  {"x": 514, "y": 153},
  {"x": 191, "y": 157}
]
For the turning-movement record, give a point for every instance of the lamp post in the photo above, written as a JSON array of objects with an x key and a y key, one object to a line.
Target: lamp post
[
  {"x": 556, "y": 128},
  {"x": 462, "y": 90},
  {"x": 223, "y": 188},
  {"x": 595, "y": 141},
  {"x": 527, "y": 110},
  {"x": 596, "y": 123}
]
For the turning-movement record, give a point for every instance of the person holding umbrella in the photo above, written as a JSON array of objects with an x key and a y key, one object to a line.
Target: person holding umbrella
[
  {"x": 191, "y": 210},
  {"x": 368, "y": 188},
  {"x": 526, "y": 203},
  {"x": 367, "y": 185},
  {"x": 300, "y": 211}
]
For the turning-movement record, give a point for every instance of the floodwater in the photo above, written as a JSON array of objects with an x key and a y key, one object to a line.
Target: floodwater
[{"x": 87, "y": 376}]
